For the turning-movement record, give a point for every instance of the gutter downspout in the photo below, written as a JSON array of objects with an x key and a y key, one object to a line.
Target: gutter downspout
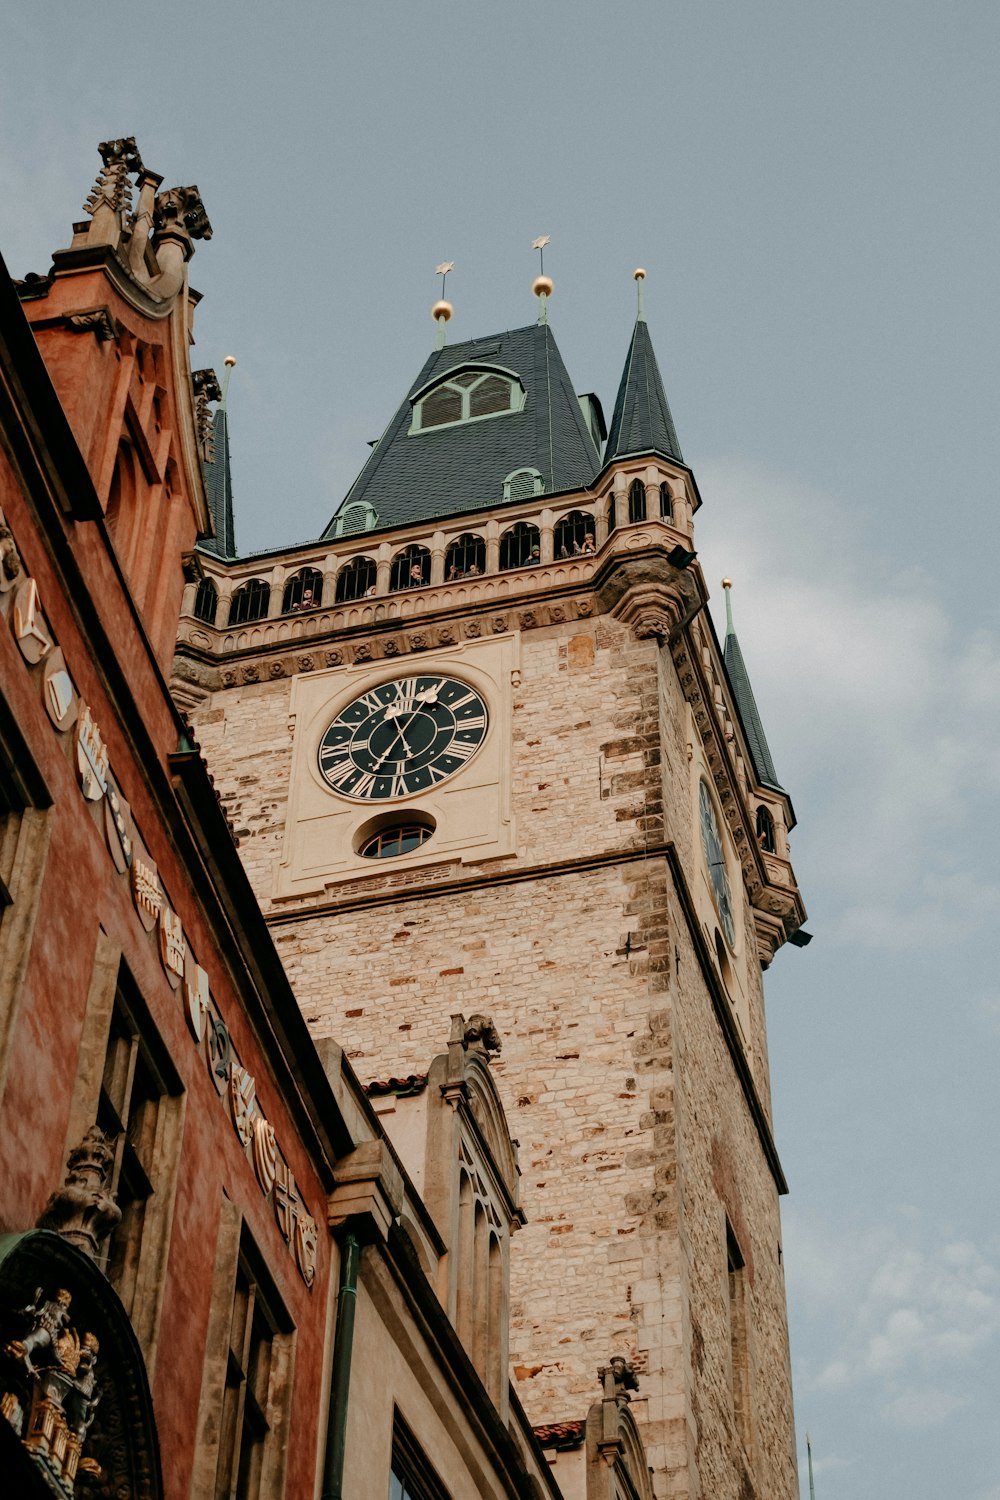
[{"x": 340, "y": 1382}]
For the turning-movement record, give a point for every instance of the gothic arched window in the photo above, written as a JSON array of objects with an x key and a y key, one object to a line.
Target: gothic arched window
[
  {"x": 612, "y": 516},
  {"x": 574, "y": 533},
  {"x": 765, "y": 830},
  {"x": 250, "y": 602},
  {"x": 666, "y": 503},
  {"x": 411, "y": 569},
  {"x": 356, "y": 579},
  {"x": 465, "y": 558},
  {"x": 206, "y": 601},
  {"x": 304, "y": 590},
  {"x": 636, "y": 502},
  {"x": 519, "y": 546},
  {"x": 465, "y": 397}
]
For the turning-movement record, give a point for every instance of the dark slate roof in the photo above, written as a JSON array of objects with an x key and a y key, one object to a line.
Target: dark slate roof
[
  {"x": 446, "y": 470},
  {"x": 642, "y": 422},
  {"x": 219, "y": 486},
  {"x": 739, "y": 681}
]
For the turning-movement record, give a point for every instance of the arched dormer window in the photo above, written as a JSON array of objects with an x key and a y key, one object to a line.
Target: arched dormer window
[
  {"x": 520, "y": 547},
  {"x": 356, "y": 579},
  {"x": 636, "y": 502},
  {"x": 765, "y": 830},
  {"x": 522, "y": 484},
  {"x": 250, "y": 602},
  {"x": 465, "y": 558},
  {"x": 411, "y": 569},
  {"x": 666, "y": 503},
  {"x": 356, "y": 517},
  {"x": 574, "y": 534},
  {"x": 206, "y": 601},
  {"x": 304, "y": 590},
  {"x": 467, "y": 397}
]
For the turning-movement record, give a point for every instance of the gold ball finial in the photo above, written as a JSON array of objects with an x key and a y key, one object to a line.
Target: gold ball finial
[
  {"x": 638, "y": 274},
  {"x": 542, "y": 286},
  {"x": 727, "y": 583},
  {"x": 442, "y": 309},
  {"x": 229, "y": 360}
]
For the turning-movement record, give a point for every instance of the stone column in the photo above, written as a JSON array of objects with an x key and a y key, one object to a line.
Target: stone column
[
  {"x": 188, "y": 598},
  {"x": 329, "y": 579},
  {"x": 601, "y": 523},
  {"x": 493, "y": 546},
  {"x": 652, "y": 493},
  {"x": 384, "y": 568},
  {"x": 226, "y": 586},
  {"x": 277, "y": 589},
  {"x": 621, "y": 500},
  {"x": 546, "y": 545},
  {"x": 437, "y": 557}
]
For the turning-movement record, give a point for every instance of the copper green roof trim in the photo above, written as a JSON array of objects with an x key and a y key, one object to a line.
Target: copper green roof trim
[
  {"x": 739, "y": 681},
  {"x": 642, "y": 422}
]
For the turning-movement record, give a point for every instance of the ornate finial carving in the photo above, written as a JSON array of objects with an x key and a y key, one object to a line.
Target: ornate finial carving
[
  {"x": 50, "y": 1395},
  {"x": 617, "y": 1379},
  {"x": 480, "y": 1035},
  {"x": 180, "y": 214},
  {"x": 112, "y": 187},
  {"x": 205, "y": 385},
  {"x": 83, "y": 1211}
]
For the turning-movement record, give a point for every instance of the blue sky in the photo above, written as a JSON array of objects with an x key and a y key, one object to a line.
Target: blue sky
[{"x": 812, "y": 191}]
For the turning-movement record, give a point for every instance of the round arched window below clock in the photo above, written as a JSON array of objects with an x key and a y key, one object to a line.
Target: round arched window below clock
[{"x": 395, "y": 839}]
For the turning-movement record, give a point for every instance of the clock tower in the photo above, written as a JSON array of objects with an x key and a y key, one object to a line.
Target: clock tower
[{"x": 486, "y": 755}]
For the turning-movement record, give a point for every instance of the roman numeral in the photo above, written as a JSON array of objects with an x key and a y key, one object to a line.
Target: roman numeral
[
  {"x": 473, "y": 721},
  {"x": 363, "y": 785},
  {"x": 465, "y": 698},
  {"x": 340, "y": 772},
  {"x": 460, "y": 750}
]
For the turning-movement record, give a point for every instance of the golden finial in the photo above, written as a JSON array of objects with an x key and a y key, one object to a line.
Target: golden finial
[
  {"x": 542, "y": 286},
  {"x": 229, "y": 360},
  {"x": 442, "y": 310},
  {"x": 638, "y": 274},
  {"x": 727, "y": 583}
]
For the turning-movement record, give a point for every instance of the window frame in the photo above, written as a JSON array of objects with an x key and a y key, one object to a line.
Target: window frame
[
  {"x": 410, "y": 1466},
  {"x": 518, "y": 397}
]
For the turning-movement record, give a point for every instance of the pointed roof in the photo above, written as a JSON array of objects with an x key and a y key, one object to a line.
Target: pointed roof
[
  {"x": 419, "y": 476},
  {"x": 739, "y": 681},
  {"x": 219, "y": 488},
  {"x": 642, "y": 422}
]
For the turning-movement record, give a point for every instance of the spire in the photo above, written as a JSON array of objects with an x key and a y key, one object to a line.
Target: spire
[
  {"x": 642, "y": 422},
  {"x": 739, "y": 681},
  {"x": 219, "y": 479}
]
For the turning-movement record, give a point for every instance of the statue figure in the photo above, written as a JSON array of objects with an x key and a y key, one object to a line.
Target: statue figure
[
  {"x": 481, "y": 1035},
  {"x": 49, "y": 1321},
  {"x": 80, "y": 1402}
]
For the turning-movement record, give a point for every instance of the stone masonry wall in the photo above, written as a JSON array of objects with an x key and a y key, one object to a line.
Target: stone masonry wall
[{"x": 636, "y": 1141}]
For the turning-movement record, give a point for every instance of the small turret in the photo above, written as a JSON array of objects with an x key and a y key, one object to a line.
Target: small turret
[{"x": 642, "y": 422}]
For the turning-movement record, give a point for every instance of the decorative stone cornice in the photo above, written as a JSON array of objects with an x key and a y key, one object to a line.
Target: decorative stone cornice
[{"x": 368, "y": 1197}]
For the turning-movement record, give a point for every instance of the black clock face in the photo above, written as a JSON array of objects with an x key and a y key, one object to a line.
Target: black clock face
[
  {"x": 405, "y": 736},
  {"x": 711, "y": 842}
]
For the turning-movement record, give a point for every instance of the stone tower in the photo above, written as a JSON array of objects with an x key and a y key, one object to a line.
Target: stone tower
[{"x": 486, "y": 755}]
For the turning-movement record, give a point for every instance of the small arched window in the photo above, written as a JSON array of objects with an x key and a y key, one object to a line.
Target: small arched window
[
  {"x": 303, "y": 591},
  {"x": 465, "y": 397},
  {"x": 522, "y": 484},
  {"x": 636, "y": 502},
  {"x": 206, "y": 601},
  {"x": 356, "y": 580},
  {"x": 520, "y": 546},
  {"x": 666, "y": 503},
  {"x": 358, "y": 516},
  {"x": 250, "y": 602},
  {"x": 574, "y": 534},
  {"x": 765, "y": 830},
  {"x": 465, "y": 558},
  {"x": 612, "y": 516},
  {"x": 411, "y": 569}
]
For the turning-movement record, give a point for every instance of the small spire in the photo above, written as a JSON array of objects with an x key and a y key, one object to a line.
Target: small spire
[
  {"x": 727, "y": 584},
  {"x": 442, "y": 310},
  {"x": 542, "y": 286},
  {"x": 639, "y": 277},
  {"x": 230, "y": 364}
]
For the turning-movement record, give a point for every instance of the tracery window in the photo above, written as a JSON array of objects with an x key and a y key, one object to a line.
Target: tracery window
[
  {"x": 411, "y": 569},
  {"x": 636, "y": 502},
  {"x": 304, "y": 590},
  {"x": 574, "y": 533},
  {"x": 465, "y": 558},
  {"x": 465, "y": 397},
  {"x": 250, "y": 602},
  {"x": 520, "y": 546},
  {"x": 356, "y": 579},
  {"x": 206, "y": 601}
]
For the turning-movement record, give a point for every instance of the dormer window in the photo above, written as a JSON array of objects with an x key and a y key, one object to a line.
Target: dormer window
[{"x": 467, "y": 397}]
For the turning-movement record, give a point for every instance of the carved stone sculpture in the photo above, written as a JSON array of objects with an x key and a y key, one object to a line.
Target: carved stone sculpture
[
  {"x": 83, "y": 1211},
  {"x": 180, "y": 214},
  {"x": 481, "y": 1035}
]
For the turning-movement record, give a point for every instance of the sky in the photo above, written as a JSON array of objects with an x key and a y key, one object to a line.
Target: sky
[{"x": 811, "y": 189}]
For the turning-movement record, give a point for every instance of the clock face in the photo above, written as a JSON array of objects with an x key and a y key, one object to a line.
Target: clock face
[
  {"x": 711, "y": 842},
  {"x": 405, "y": 736}
]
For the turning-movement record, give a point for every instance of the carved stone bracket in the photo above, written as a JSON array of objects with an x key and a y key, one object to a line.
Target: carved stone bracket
[
  {"x": 369, "y": 1192},
  {"x": 96, "y": 320},
  {"x": 82, "y": 1210},
  {"x": 651, "y": 609}
]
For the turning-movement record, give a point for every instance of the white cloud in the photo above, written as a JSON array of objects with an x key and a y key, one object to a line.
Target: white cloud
[
  {"x": 921, "y": 1408},
  {"x": 883, "y": 714}
]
